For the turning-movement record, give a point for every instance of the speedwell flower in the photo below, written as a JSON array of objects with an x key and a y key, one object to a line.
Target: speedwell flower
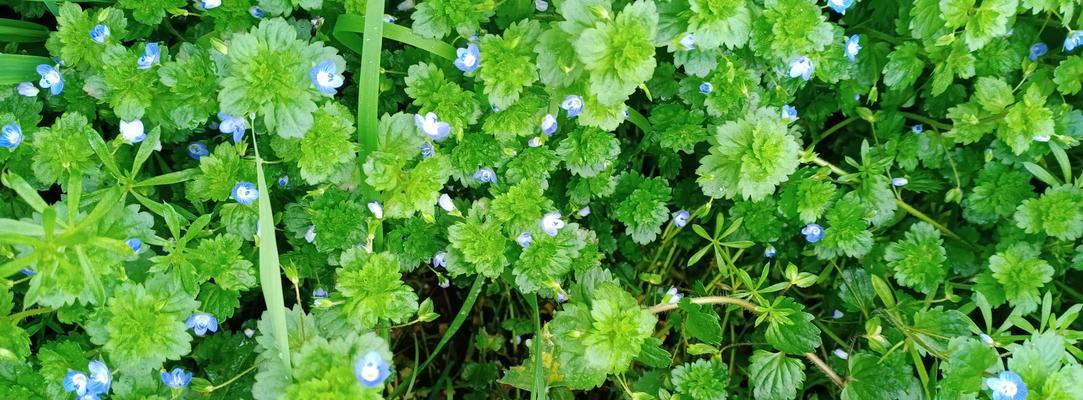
[
  {"x": 132, "y": 132},
  {"x": 444, "y": 201},
  {"x": 801, "y": 66},
  {"x": 50, "y": 79},
  {"x": 706, "y": 88},
  {"x": 674, "y": 295},
  {"x": 1037, "y": 50},
  {"x": 389, "y": 18},
  {"x": 1074, "y": 39},
  {"x": 135, "y": 244},
  {"x": 853, "y": 47},
  {"x": 310, "y": 234},
  {"x": 680, "y": 218},
  {"x": 1007, "y": 385},
  {"x": 549, "y": 124},
  {"x": 485, "y": 175},
  {"x": 209, "y": 4},
  {"x": 551, "y": 223},
  {"x": 77, "y": 382},
  {"x": 899, "y": 182},
  {"x": 840, "y": 6},
  {"x": 467, "y": 59},
  {"x": 200, "y": 323},
  {"x": 99, "y": 33},
  {"x": 376, "y": 209},
  {"x": 244, "y": 193},
  {"x": 534, "y": 142},
  {"x": 432, "y": 127},
  {"x": 197, "y": 150},
  {"x": 232, "y": 125},
  {"x": 151, "y": 55},
  {"x": 524, "y": 239},
  {"x": 572, "y": 104},
  {"x": 583, "y": 212},
  {"x": 11, "y": 135},
  {"x": 100, "y": 377},
  {"x": 688, "y": 41},
  {"x": 27, "y": 89},
  {"x": 917, "y": 128},
  {"x": 371, "y": 370},
  {"x": 177, "y": 378},
  {"x": 770, "y": 251},
  {"x": 283, "y": 180},
  {"x": 325, "y": 77},
  {"x": 427, "y": 150},
  {"x": 255, "y": 12},
  {"x": 813, "y": 232},
  {"x": 789, "y": 113},
  {"x": 541, "y": 5},
  {"x": 439, "y": 260}
]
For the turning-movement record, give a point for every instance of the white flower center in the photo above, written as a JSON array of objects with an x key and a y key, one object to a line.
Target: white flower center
[
  {"x": 79, "y": 381},
  {"x": 1004, "y": 387},
  {"x": 52, "y": 77},
  {"x": 469, "y": 60},
  {"x": 838, "y": 3},
  {"x": 851, "y": 47},
  {"x": 370, "y": 372}
]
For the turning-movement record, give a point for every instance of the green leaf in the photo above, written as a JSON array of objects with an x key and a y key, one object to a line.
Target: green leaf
[
  {"x": 993, "y": 94},
  {"x": 715, "y": 23},
  {"x": 1022, "y": 274},
  {"x": 750, "y": 157},
  {"x": 653, "y": 355},
  {"x": 643, "y": 208},
  {"x": 372, "y": 288},
  {"x": 903, "y": 67},
  {"x": 587, "y": 151},
  {"x": 701, "y": 322},
  {"x": 989, "y": 21},
  {"x": 619, "y": 55},
  {"x": 846, "y": 232},
  {"x": 477, "y": 246},
  {"x": 144, "y": 325},
  {"x": 1026, "y": 120},
  {"x": 967, "y": 363},
  {"x": 1069, "y": 75},
  {"x": 438, "y": 18},
  {"x": 1057, "y": 213},
  {"x": 1037, "y": 358},
  {"x": 774, "y": 376},
  {"x": 789, "y": 328},
  {"x": 918, "y": 259},
  {"x": 701, "y": 380},
  {"x": 507, "y": 62},
  {"x": 872, "y": 380},
  {"x": 997, "y": 192}
]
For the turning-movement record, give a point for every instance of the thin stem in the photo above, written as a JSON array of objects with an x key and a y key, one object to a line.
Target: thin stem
[
  {"x": 231, "y": 380},
  {"x": 29, "y": 313},
  {"x": 926, "y": 120},
  {"x": 824, "y": 163},
  {"x": 834, "y": 129},
  {"x": 920, "y": 215}
]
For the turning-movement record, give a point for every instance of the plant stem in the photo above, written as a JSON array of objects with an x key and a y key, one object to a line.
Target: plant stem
[
  {"x": 231, "y": 380},
  {"x": 926, "y": 120},
  {"x": 819, "y": 363},
  {"x": 14, "y": 318}
]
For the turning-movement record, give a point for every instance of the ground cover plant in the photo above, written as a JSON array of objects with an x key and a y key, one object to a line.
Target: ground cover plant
[{"x": 487, "y": 199}]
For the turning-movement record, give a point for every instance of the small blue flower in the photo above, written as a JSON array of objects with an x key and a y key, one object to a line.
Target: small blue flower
[
  {"x": 255, "y": 12},
  {"x": 325, "y": 77},
  {"x": 99, "y": 33},
  {"x": 244, "y": 193},
  {"x": 27, "y": 89},
  {"x": 27, "y": 272},
  {"x": 801, "y": 66},
  {"x": 813, "y": 232},
  {"x": 427, "y": 150},
  {"x": 485, "y": 175},
  {"x": 840, "y": 353},
  {"x": 672, "y": 295},
  {"x": 11, "y": 135},
  {"x": 534, "y": 141},
  {"x": 135, "y": 244},
  {"x": 371, "y": 370},
  {"x": 852, "y": 47},
  {"x": 680, "y": 218},
  {"x": 283, "y": 181},
  {"x": 76, "y": 381},
  {"x": 443, "y": 281},
  {"x": 432, "y": 127},
  {"x": 494, "y": 107},
  {"x": 572, "y": 104},
  {"x": 789, "y": 113},
  {"x": 561, "y": 297},
  {"x": 177, "y": 378},
  {"x": 200, "y": 323},
  {"x": 583, "y": 212},
  {"x": 210, "y": 4},
  {"x": 551, "y": 223},
  {"x": 151, "y": 55},
  {"x": 89, "y": 396},
  {"x": 1007, "y": 385},
  {"x": 132, "y": 132},
  {"x": 198, "y": 150},
  {"x": 466, "y": 59},
  {"x": 688, "y": 41},
  {"x": 549, "y": 124},
  {"x": 232, "y": 125},
  {"x": 770, "y": 251},
  {"x": 899, "y": 182},
  {"x": 100, "y": 377},
  {"x": 389, "y": 19},
  {"x": 837, "y": 314},
  {"x": 1041, "y": 138},
  {"x": 986, "y": 339},
  {"x": 439, "y": 260},
  {"x": 376, "y": 209},
  {"x": 706, "y": 88},
  {"x": 524, "y": 239},
  {"x": 840, "y": 6},
  {"x": 1074, "y": 39},
  {"x": 1037, "y": 50},
  {"x": 310, "y": 234},
  {"x": 541, "y": 5},
  {"x": 50, "y": 79},
  {"x": 917, "y": 128},
  {"x": 319, "y": 293}
]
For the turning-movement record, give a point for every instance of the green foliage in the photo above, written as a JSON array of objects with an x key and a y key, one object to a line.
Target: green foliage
[
  {"x": 790, "y": 329},
  {"x": 372, "y": 289},
  {"x": 143, "y": 325},
  {"x": 775, "y": 376},
  {"x": 701, "y": 380},
  {"x": 1021, "y": 274},
  {"x": 506, "y": 62},
  {"x": 619, "y": 55},
  {"x": 918, "y": 259},
  {"x": 643, "y": 209},
  {"x": 749, "y": 157}
]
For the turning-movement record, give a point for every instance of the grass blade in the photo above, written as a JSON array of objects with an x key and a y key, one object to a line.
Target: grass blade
[
  {"x": 16, "y": 31},
  {"x": 404, "y": 35},
  {"x": 270, "y": 273},
  {"x": 15, "y": 68},
  {"x": 368, "y": 82},
  {"x": 539, "y": 390}
]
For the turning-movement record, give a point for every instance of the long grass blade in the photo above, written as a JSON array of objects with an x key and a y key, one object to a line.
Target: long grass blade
[
  {"x": 270, "y": 273},
  {"x": 16, "y": 31},
  {"x": 15, "y": 68}
]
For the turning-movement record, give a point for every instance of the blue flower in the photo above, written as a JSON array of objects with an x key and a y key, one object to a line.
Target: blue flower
[
  {"x": 50, "y": 79},
  {"x": 688, "y": 41},
  {"x": 210, "y": 4},
  {"x": 99, "y": 33},
  {"x": 319, "y": 293},
  {"x": 310, "y": 234},
  {"x": 11, "y": 135},
  {"x": 89, "y": 396},
  {"x": 200, "y": 323},
  {"x": 76, "y": 381},
  {"x": 840, "y": 353},
  {"x": 244, "y": 192},
  {"x": 853, "y": 47},
  {"x": 1007, "y": 385},
  {"x": 917, "y": 128},
  {"x": 466, "y": 59},
  {"x": 371, "y": 370},
  {"x": 836, "y": 314},
  {"x": 1041, "y": 138},
  {"x": 840, "y": 6},
  {"x": 443, "y": 281},
  {"x": 376, "y": 209},
  {"x": 432, "y": 127},
  {"x": 551, "y": 223},
  {"x": 770, "y": 251},
  {"x": 706, "y": 88},
  {"x": 27, "y": 272},
  {"x": 177, "y": 378},
  {"x": 283, "y": 181},
  {"x": 1074, "y": 39},
  {"x": 485, "y": 175},
  {"x": 27, "y": 89},
  {"x": 151, "y": 55},
  {"x": 583, "y": 212},
  {"x": 549, "y": 124},
  {"x": 1037, "y": 50},
  {"x": 789, "y": 113},
  {"x": 427, "y": 150},
  {"x": 389, "y": 19},
  {"x": 986, "y": 339},
  {"x": 439, "y": 260},
  {"x": 100, "y": 377},
  {"x": 813, "y": 232},
  {"x": 132, "y": 132},
  {"x": 801, "y": 66},
  {"x": 672, "y": 296},
  {"x": 899, "y": 182},
  {"x": 680, "y": 218},
  {"x": 197, "y": 150},
  {"x": 255, "y": 12},
  {"x": 572, "y": 104},
  {"x": 232, "y": 125},
  {"x": 325, "y": 77},
  {"x": 135, "y": 244},
  {"x": 524, "y": 239},
  {"x": 561, "y": 297},
  {"x": 541, "y": 5}
]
